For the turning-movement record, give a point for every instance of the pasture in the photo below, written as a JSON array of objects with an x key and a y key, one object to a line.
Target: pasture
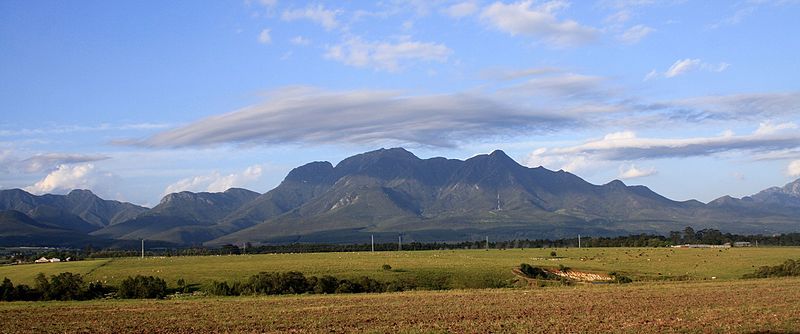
[{"x": 459, "y": 268}]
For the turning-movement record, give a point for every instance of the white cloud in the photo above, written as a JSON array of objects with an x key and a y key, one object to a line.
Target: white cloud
[
  {"x": 361, "y": 117},
  {"x": 793, "y": 169},
  {"x": 523, "y": 18},
  {"x": 632, "y": 172},
  {"x": 384, "y": 55},
  {"x": 318, "y": 14},
  {"x": 264, "y": 37},
  {"x": 46, "y": 161},
  {"x": 563, "y": 86},
  {"x": 627, "y": 146},
  {"x": 767, "y": 128},
  {"x": 461, "y": 9},
  {"x": 683, "y": 66},
  {"x": 635, "y": 34},
  {"x": 651, "y": 75},
  {"x": 738, "y": 107},
  {"x": 300, "y": 40},
  {"x": 216, "y": 182},
  {"x": 618, "y": 18},
  {"x": 67, "y": 177}
]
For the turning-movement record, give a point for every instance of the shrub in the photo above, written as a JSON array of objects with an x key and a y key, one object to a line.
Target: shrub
[
  {"x": 142, "y": 287},
  {"x": 220, "y": 289},
  {"x": 97, "y": 290},
  {"x": 370, "y": 285},
  {"x": 346, "y": 286},
  {"x": 325, "y": 284},
  {"x": 7, "y": 290},
  {"x": 787, "y": 268},
  {"x": 182, "y": 286},
  {"x": 617, "y": 278},
  {"x": 278, "y": 283},
  {"x": 271, "y": 283},
  {"x": 386, "y": 267},
  {"x": 64, "y": 286},
  {"x": 534, "y": 272},
  {"x": 553, "y": 254}
]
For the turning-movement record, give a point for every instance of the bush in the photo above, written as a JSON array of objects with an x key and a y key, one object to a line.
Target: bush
[
  {"x": 182, "y": 286},
  {"x": 7, "y": 290},
  {"x": 142, "y": 287},
  {"x": 787, "y": 268},
  {"x": 325, "y": 284},
  {"x": 386, "y": 267},
  {"x": 553, "y": 254},
  {"x": 617, "y": 278},
  {"x": 278, "y": 283},
  {"x": 220, "y": 289},
  {"x": 270, "y": 283},
  {"x": 64, "y": 286},
  {"x": 97, "y": 290},
  {"x": 535, "y": 272}
]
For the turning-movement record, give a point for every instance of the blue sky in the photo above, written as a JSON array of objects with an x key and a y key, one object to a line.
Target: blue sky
[{"x": 695, "y": 99}]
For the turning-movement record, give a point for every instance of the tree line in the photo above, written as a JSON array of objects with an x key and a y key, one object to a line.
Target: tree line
[
  {"x": 69, "y": 286},
  {"x": 688, "y": 236}
]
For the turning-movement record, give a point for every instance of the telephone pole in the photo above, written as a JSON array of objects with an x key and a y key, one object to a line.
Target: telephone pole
[
  {"x": 143, "y": 248},
  {"x": 579, "y": 241},
  {"x": 487, "y": 242},
  {"x": 372, "y": 241},
  {"x": 400, "y": 242}
]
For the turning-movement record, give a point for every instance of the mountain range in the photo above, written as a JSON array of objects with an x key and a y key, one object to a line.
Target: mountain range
[{"x": 386, "y": 193}]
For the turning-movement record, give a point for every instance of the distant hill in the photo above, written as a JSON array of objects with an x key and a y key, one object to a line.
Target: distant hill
[
  {"x": 183, "y": 217},
  {"x": 388, "y": 192},
  {"x": 18, "y": 229},
  {"x": 80, "y": 210}
]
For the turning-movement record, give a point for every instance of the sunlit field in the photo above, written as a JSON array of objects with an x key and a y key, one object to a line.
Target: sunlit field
[{"x": 462, "y": 268}]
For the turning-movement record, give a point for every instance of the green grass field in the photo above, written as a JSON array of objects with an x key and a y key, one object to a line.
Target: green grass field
[{"x": 461, "y": 268}]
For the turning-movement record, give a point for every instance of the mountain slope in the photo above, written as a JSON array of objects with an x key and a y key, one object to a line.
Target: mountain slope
[
  {"x": 393, "y": 191},
  {"x": 80, "y": 210},
  {"x": 18, "y": 229},
  {"x": 183, "y": 217}
]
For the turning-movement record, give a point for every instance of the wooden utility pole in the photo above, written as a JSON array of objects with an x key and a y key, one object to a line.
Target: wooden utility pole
[
  {"x": 579, "y": 241},
  {"x": 372, "y": 241},
  {"x": 487, "y": 242},
  {"x": 143, "y": 248},
  {"x": 400, "y": 242}
]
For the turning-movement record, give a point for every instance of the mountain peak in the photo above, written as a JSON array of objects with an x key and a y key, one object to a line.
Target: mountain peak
[
  {"x": 499, "y": 154},
  {"x": 394, "y": 152},
  {"x": 315, "y": 172},
  {"x": 80, "y": 192},
  {"x": 616, "y": 184}
]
